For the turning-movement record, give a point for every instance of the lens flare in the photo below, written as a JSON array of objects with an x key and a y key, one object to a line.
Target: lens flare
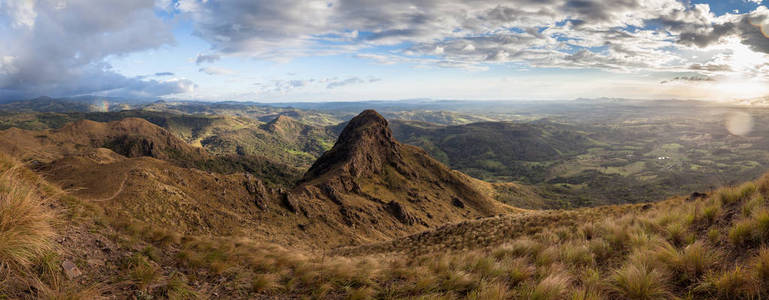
[
  {"x": 761, "y": 25},
  {"x": 739, "y": 123}
]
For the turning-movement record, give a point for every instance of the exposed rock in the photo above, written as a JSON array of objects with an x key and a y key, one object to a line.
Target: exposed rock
[
  {"x": 258, "y": 190},
  {"x": 70, "y": 270},
  {"x": 458, "y": 203},
  {"x": 288, "y": 201},
  {"x": 697, "y": 195},
  {"x": 401, "y": 213},
  {"x": 368, "y": 176}
]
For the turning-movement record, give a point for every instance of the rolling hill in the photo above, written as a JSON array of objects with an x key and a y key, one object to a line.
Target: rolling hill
[{"x": 141, "y": 227}]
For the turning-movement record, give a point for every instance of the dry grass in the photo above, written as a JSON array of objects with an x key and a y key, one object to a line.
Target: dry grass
[
  {"x": 676, "y": 249},
  {"x": 715, "y": 247},
  {"x": 26, "y": 231},
  {"x": 25, "y": 223}
]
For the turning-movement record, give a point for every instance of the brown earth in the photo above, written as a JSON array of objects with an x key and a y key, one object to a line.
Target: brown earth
[{"x": 367, "y": 188}]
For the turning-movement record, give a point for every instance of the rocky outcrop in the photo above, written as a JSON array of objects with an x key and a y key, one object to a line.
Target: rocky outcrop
[{"x": 375, "y": 186}]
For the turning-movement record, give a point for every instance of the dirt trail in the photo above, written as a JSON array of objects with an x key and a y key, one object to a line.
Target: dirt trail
[{"x": 119, "y": 190}]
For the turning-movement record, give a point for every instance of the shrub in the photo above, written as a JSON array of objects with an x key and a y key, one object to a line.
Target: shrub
[
  {"x": 710, "y": 213},
  {"x": 577, "y": 255},
  {"x": 516, "y": 270},
  {"x": 552, "y": 287},
  {"x": 639, "y": 282},
  {"x": 25, "y": 224},
  {"x": 747, "y": 190},
  {"x": 741, "y": 233},
  {"x": 489, "y": 291},
  {"x": 586, "y": 294},
  {"x": 755, "y": 202},
  {"x": 714, "y": 235},
  {"x": 360, "y": 293},
  {"x": 761, "y": 224},
  {"x": 677, "y": 234},
  {"x": 526, "y": 247},
  {"x": 728, "y": 195},
  {"x": 264, "y": 283},
  {"x": 760, "y": 269},
  {"x": 731, "y": 284},
  {"x": 693, "y": 261}
]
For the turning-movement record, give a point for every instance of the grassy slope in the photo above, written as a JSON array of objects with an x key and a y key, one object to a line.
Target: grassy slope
[{"x": 710, "y": 247}]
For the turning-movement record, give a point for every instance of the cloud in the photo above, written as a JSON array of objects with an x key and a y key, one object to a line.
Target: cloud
[
  {"x": 216, "y": 71},
  {"x": 341, "y": 83},
  {"x": 442, "y": 32},
  {"x": 694, "y": 78},
  {"x": 287, "y": 86},
  {"x": 750, "y": 29},
  {"x": 59, "y": 48},
  {"x": 710, "y": 67},
  {"x": 164, "y": 74},
  {"x": 20, "y": 12},
  {"x": 203, "y": 58},
  {"x": 614, "y": 35}
]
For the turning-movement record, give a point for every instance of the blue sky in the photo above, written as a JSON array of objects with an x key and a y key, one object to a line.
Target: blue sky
[{"x": 307, "y": 50}]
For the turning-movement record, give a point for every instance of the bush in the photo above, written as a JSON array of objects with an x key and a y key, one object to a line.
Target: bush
[
  {"x": 693, "y": 261},
  {"x": 25, "y": 224},
  {"x": 760, "y": 269},
  {"x": 639, "y": 282},
  {"x": 731, "y": 284},
  {"x": 741, "y": 233},
  {"x": 490, "y": 291},
  {"x": 552, "y": 287}
]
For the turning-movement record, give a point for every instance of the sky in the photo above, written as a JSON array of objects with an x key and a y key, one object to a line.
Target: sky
[{"x": 342, "y": 50}]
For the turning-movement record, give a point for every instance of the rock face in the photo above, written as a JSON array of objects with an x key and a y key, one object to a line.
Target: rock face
[
  {"x": 370, "y": 186},
  {"x": 363, "y": 148}
]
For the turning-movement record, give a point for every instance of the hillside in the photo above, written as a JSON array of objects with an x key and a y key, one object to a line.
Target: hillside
[
  {"x": 370, "y": 181},
  {"x": 126, "y": 164},
  {"x": 131, "y": 137},
  {"x": 372, "y": 218}
]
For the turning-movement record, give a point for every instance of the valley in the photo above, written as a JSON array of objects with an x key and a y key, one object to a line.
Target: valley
[
  {"x": 566, "y": 153},
  {"x": 384, "y": 150},
  {"x": 372, "y": 208}
]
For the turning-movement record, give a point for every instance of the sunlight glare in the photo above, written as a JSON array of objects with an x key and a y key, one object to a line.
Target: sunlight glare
[{"x": 739, "y": 123}]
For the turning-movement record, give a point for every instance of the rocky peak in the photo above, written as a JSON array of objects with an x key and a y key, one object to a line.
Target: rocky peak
[{"x": 364, "y": 147}]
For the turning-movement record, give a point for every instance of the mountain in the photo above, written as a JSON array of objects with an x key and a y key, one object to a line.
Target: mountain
[
  {"x": 130, "y": 137},
  {"x": 371, "y": 219},
  {"x": 310, "y": 139},
  {"x": 47, "y": 104},
  {"x": 371, "y": 184},
  {"x": 368, "y": 187}
]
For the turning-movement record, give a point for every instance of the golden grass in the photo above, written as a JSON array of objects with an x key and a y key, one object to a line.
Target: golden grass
[
  {"x": 714, "y": 247},
  {"x": 25, "y": 223}
]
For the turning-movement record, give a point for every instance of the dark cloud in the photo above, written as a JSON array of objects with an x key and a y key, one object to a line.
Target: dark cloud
[
  {"x": 59, "y": 48},
  {"x": 203, "y": 58},
  {"x": 751, "y": 29},
  {"x": 455, "y": 32},
  {"x": 694, "y": 78},
  {"x": 589, "y": 11},
  {"x": 710, "y": 67}
]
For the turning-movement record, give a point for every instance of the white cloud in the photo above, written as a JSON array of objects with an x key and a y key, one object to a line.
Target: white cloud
[
  {"x": 21, "y": 12},
  {"x": 216, "y": 71},
  {"x": 59, "y": 48}
]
